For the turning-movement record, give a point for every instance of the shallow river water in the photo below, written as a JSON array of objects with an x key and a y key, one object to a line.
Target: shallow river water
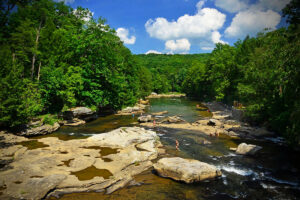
[{"x": 274, "y": 173}]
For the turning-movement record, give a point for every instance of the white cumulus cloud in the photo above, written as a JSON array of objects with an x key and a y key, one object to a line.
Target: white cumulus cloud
[
  {"x": 252, "y": 18},
  {"x": 216, "y": 38},
  {"x": 123, "y": 34},
  {"x": 178, "y": 46},
  {"x": 207, "y": 48},
  {"x": 153, "y": 51},
  {"x": 232, "y": 5},
  {"x": 252, "y": 21},
  {"x": 194, "y": 28},
  {"x": 276, "y": 5}
]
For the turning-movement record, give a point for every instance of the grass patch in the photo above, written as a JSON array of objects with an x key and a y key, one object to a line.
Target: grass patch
[{"x": 49, "y": 119}]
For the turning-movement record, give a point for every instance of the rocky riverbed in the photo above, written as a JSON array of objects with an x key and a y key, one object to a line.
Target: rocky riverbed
[
  {"x": 221, "y": 122},
  {"x": 52, "y": 167},
  {"x": 106, "y": 161}
]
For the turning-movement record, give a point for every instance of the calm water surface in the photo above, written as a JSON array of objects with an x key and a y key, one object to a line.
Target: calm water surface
[{"x": 272, "y": 174}]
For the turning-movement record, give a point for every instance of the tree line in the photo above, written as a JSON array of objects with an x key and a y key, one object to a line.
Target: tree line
[
  {"x": 53, "y": 57},
  {"x": 166, "y": 73}
]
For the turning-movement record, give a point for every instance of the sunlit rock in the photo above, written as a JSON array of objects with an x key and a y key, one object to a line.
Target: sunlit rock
[
  {"x": 247, "y": 149},
  {"x": 186, "y": 170}
]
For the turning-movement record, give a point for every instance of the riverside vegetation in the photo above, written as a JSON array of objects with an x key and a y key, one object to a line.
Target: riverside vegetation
[{"x": 53, "y": 57}]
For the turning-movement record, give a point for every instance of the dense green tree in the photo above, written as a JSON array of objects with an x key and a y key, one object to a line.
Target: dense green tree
[
  {"x": 169, "y": 71},
  {"x": 54, "y": 58}
]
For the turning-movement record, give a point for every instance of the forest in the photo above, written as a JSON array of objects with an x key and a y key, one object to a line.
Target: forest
[{"x": 53, "y": 57}]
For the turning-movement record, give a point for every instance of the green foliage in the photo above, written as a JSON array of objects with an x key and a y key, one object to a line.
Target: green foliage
[
  {"x": 19, "y": 99},
  {"x": 53, "y": 59},
  {"x": 292, "y": 11},
  {"x": 49, "y": 119},
  {"x": 168, "y": 72},
  {"x": 262, "y": 73}
]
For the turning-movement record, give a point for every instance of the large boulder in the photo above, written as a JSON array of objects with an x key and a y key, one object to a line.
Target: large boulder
[
  {"x": 145, "y": 118},
  {"x": 186, "y": 170},
  {"x": 41, "y": 130},
  {"x": 172, "y": 119},
  {"x": 81, "y": 113},
  {"x": 247, "y": 149}
]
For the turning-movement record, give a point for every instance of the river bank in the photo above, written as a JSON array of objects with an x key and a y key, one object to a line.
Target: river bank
[
  {"x": 47, "y": 124},
  {"x": 220, "y": 122}
]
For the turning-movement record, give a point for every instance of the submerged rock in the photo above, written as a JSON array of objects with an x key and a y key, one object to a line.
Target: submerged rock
[
  {"x": 186, "y": 170},
  {"x": 172, "y": 119},
  {"x": 247, "y": 149}
]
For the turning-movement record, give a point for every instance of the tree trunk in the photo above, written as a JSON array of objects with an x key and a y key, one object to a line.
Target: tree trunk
[
  {"x": 38, "y": 78},
  {"x": 35, "y": 49},
  {"x": 13, "y": 57}
]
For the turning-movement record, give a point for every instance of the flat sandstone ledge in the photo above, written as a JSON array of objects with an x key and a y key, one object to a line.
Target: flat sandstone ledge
[{"x": 62, "y": 167}]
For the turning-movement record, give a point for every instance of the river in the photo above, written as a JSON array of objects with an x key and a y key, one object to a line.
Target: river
[{"x": 271, "y": 174}]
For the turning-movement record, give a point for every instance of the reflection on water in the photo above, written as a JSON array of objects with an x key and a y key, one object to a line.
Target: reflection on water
[
  {"x": 272, "y": 174},
  {"x": 101, "y": 125},
  {"x": 179, "y": 106}
]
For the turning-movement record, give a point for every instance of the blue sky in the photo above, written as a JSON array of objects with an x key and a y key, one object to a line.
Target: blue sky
[{"x": 184, "y": 26}]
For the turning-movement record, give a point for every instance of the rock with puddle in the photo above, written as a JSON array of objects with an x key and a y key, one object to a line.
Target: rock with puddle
[
  {"x": 103, "y": 162},
  {"x": 186, "y": 170}
]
